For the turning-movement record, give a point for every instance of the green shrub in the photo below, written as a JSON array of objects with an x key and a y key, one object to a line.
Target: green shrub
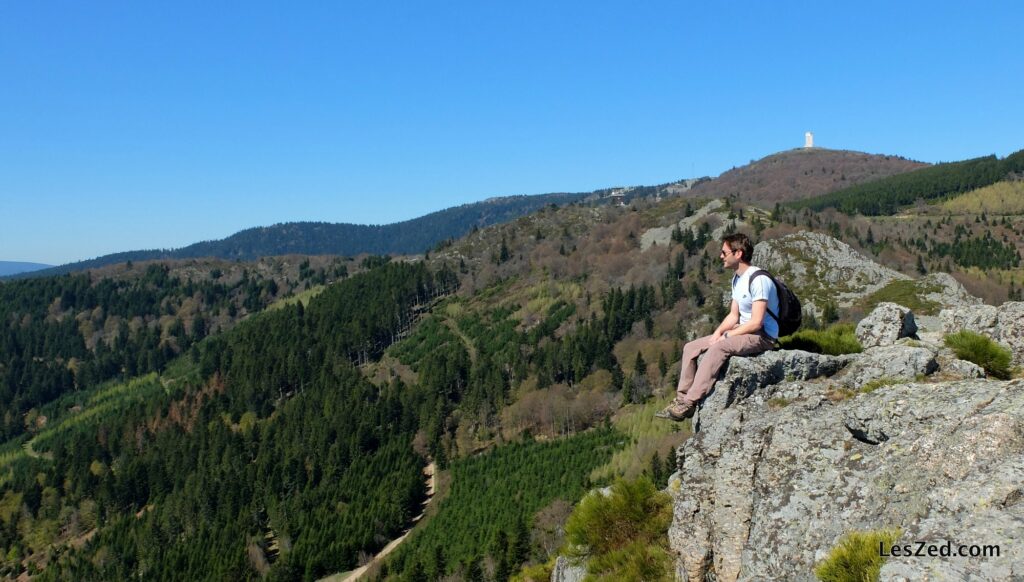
[
  {"x": 535, "y": 573},
  {"x": 637, "y": 561},
  {"x": 834, "y": 340},
  {"x": 856, "y": 558},
  {"x": 981, "y": 350},
  {"x": 624, "y": 534}
]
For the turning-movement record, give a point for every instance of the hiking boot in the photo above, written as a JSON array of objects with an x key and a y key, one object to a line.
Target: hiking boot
[{"x": 677, "y": 411}]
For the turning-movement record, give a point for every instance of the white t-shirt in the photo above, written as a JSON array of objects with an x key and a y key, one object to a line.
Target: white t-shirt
[{"x": 762, "y": 289}]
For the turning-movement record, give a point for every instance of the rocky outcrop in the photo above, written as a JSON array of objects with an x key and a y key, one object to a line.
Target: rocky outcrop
[
  {"x": 663, "y": 235},
  {"x": 780, "y": 468},
  {"x": 819, "y": 267},
  {"x": 743, "y": 376},
  {"x": 566, "y": 570},
  {"x": 792, "y": 451},
  {"x": 1004, "y": 324},
  {"x": 943, "y": 289},
  {"x": 886, "y": 324}
]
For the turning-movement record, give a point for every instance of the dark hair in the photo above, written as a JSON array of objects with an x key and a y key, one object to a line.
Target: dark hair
[{"x": 740, "y": 242}]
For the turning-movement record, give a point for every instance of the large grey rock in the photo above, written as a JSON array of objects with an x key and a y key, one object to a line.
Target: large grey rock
[
  {"x": 887, "y": 323},
  {"x": 900, "y": 362},
  {"x": 567, "y": 570},
  {"x": 1004, "y": 324},
  {"x": 981, "y": 319},
  {"x": 952, "y": 367},
  {"x": 819, "y": 268},
  {"x": 742, "y": 377},
  {"x": 764, "y": 493}
]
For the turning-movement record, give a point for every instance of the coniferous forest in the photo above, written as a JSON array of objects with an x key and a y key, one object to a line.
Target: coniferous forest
[
  {"x": 259, "y": 451},
  {"x": 266, "y": 439},
  {"x": 71, "y": 333}
]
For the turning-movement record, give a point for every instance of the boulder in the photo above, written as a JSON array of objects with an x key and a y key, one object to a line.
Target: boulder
[
  {"x": 887, "y": 323},
  {"x": 952, "y": 367},
  {"x": 980, "y": 319},
  {"x": 900, "y": 362},
  {"x": 766, "y": 492},
  {"x": 742, "y": 377},
  {"x": 1004, "y": 324}
]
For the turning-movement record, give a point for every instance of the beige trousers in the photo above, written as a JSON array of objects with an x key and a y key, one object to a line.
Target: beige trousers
[{"x": 695, "y": 381}]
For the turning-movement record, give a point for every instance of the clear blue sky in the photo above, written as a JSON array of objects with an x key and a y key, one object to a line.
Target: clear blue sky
[{"x": 136, "y": 125}]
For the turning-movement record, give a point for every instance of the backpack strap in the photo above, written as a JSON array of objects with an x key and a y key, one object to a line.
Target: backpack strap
[{"x": 750, "y": 281}]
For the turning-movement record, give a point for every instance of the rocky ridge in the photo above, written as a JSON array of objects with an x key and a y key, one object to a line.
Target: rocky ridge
[
  {"x": 820, "y": 267},
  {"x": 792, "y": 451}
]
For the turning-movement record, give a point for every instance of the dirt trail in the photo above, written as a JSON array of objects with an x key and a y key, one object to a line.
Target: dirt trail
[
  {"x": 35, "y": 454},
  {"x": 454, "y": 327},
  {"x": 354, "y": 575}
]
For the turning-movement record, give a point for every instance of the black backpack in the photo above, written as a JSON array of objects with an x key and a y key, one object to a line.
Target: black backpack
[{"x": 790, "y": 314}]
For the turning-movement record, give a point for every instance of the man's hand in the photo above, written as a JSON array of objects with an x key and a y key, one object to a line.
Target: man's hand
[{"x": 716, "y": 337}]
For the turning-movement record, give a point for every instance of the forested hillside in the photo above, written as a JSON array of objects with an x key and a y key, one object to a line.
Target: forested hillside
[
  {"x": 71, "y": 333},
  {"x": 266, "y": 429},
  {"x": 801, "y": 173},
  {"x": 255, "y": 451},
  {"x": 886, "y": 196}
]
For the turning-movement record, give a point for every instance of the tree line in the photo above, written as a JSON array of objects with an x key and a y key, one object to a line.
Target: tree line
[{"x": 888, "y": 195}]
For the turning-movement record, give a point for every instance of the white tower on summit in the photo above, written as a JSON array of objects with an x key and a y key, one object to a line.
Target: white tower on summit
[{"x": 808, "y": 140}]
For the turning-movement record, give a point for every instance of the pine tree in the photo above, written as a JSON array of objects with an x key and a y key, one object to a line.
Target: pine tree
[
  {"x": 657, "y": 472},
  {"x": 639, "y": 365},
  {"x": 503, "y": 254}
]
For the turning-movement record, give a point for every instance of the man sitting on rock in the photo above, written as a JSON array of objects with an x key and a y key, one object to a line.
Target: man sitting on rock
[{"x": 747, "y": 331}]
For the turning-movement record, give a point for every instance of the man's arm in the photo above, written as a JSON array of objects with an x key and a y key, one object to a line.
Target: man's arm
[
  {"x": 729, "y": 322},
  {"x": 757, "y": 314}
]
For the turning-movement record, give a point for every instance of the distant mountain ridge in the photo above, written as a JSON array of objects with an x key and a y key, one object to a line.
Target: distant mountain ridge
[
  {"x": 323, "y": 238},
  {"x": 15, "y": 267},
  {"x": 781, "y": 177},
  {"x": 799, "y": 174}
]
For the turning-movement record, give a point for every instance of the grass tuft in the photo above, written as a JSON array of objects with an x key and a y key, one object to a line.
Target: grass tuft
[
  {"x": 981, "y": 350},
  {"x": 857, "y": 557},
  {"x": 835, "y": 340},
  {"x": 878, "y": 383}
]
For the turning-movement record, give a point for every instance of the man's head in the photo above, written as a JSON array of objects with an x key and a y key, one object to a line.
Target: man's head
[{"x": 736, "y": 248}]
